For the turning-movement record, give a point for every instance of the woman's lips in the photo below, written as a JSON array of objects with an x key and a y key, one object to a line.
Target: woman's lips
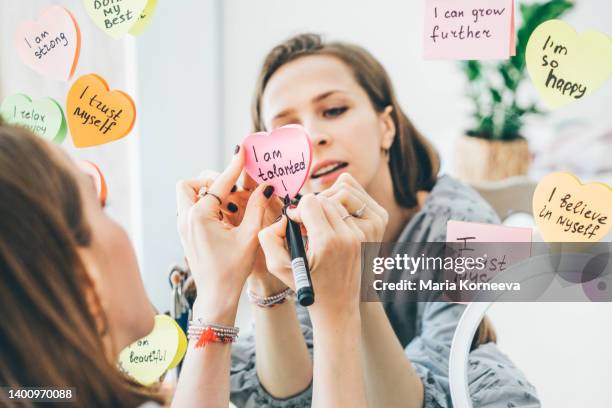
[
  {"x": 326, "y": 167},
  {"x": 328, "y": 171}
]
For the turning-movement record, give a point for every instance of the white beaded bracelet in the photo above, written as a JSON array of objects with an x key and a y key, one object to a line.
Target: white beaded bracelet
[{"x": 269, "y": 301}]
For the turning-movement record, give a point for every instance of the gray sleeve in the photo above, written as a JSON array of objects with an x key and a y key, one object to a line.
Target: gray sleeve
[
  {"x": 429, "y": 350},
  {"x": 245, "y": 388},
  {"x": 492, "y": 378},
  {"x": 495, "y": 382}
]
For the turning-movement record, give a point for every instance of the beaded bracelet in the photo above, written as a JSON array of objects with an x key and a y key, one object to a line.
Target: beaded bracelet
[
  {"x": 269, "y": 301},
  {"x": 204, "y": 333}
]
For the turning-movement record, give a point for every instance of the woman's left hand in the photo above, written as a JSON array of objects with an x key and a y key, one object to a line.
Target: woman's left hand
[{"x": 349, "y": 193}]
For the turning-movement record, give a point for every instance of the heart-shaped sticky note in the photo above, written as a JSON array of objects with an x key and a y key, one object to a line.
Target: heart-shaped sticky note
[
  {"x": 566, "y": 66},
  {"x": 115, "y": 17},
  {"x": 566, "y": 210},
  {"x": 50, "y": 45},
  {"x": 280, "y": 158},
  {"x": 147, "y": 359},
  {"x": 97, "y": 115},
  {"x": 43, "y": 116},
  {"x": 145, "y": 18},
  {"x": 98, "y": 178}
]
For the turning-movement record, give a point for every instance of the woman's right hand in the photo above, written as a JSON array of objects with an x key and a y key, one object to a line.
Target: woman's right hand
[
  {"x": 219, "y": 253},
  {"x": 333, "y": 254}
]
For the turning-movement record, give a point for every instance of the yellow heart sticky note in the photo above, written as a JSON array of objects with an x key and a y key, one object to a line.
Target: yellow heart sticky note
[
  {"x": 145, "y": 18},
  {"x": 147, "y": 359},
  {"x": 566, "y": 210},
  {"x": 566, "y": 66},
  {"x": 115, "y": 17}
]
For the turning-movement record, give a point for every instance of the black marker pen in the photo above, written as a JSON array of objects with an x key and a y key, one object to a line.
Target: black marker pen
[{"x": 299, "y": 263}]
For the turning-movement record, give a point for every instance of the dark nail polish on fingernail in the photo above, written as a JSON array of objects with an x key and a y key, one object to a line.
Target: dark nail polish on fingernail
[
  {"x": 268, "y": 191},
  {"x": 317, "y": 192},
  {"x": 233, "y": 190},
  {"x": 232, "y": 207},
  {"x": 236, "y": 149}
]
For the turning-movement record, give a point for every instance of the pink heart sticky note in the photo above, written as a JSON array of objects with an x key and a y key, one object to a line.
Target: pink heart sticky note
[
  {"x": 280, "y": 158},
  {"x": 50, "y": 45}
]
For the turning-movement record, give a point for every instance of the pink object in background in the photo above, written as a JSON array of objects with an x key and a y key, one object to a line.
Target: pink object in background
[
  {"x": 497, "y": 257},
  {"x": 281, "y": 158},
  {"x": 50, "y": 45},
  {"x": 469, "y": 29},
  {"x": 458, "y": 230}
]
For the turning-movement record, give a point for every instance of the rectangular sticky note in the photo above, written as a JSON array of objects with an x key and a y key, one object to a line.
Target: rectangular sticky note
[
  {"x": 469, "y": 29},
  {"x": 486, "y": 232},
  {"x": 497, "y": 246}
]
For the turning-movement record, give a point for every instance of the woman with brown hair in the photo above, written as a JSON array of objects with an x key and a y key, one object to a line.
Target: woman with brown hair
[
  {"x": 72, "y": 297},
  {"x": 368, "y": 157}
]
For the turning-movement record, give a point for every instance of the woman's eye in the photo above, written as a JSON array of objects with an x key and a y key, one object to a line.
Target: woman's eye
[{"x": 334, "y": 112}]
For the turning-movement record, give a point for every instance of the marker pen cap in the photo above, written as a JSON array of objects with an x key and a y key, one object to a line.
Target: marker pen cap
[{"x": 305, "y": 296}]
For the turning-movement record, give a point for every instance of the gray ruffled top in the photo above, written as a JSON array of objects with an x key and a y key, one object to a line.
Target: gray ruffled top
[{"x": 425, "y": 330}]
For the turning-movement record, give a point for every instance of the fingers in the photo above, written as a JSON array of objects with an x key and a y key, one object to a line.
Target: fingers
[
  {"x": 346, "y": 182},
  {"x": 187, "y": 193},
  {"x": 336, "y": 215},
  {"x": 222, "y": 186},
  {"x": 278, "y": 260},
  {"x": 248, "y": 183},
  {"x": 255, "y": 209},
  {"x": 311, "y": 214}
]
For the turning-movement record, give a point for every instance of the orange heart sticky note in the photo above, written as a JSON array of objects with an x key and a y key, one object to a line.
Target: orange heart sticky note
[
  {"x": 93, "y": 171},
  {"x": 97, "y": 115},
  {"x": 568, "y": 211}
]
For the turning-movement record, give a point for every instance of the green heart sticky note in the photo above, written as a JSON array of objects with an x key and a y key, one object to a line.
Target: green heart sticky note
[
  {"x": 147, "y": 359},
  {"x": 44, "y": 117},
  {"x": 566, "y": 66},
  {"x": 145, "y": 18}
]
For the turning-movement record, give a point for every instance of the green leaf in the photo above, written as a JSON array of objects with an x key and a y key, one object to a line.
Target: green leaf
[
  {"x": 472, "y": 69},
  {"x": 497, "y": 98}
]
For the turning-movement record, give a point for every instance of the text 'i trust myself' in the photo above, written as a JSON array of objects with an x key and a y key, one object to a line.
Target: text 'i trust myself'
[{"x": 100, "y": 115}]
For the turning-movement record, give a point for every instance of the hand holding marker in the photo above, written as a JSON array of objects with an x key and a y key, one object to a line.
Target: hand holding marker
[
  {"x": 282, "y": 158},
  {"x": 299, "y": 262}
]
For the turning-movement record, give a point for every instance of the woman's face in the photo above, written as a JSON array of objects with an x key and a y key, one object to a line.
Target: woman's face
[
  {"x": 320, "y": 93},
  {"x": 111, "y": 262}
]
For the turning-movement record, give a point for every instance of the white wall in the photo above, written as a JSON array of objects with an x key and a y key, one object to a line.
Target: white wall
[{"x": 179, "y": 79}]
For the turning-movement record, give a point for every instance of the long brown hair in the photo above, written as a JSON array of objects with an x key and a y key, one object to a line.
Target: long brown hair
[
  {"x": 48, "y": 335},
  {"x": 413, "y": 162}
]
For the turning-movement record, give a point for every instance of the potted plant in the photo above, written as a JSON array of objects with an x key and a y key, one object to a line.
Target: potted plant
[{"x": 494, "y": 148}]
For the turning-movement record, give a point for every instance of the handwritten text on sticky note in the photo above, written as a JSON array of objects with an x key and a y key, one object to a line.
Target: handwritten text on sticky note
[
  {"x": 44, "y": 117},
  {"x": 565, "y": 66},
  {"x": 147, "y": 359},
  {"x": 498, "y": 246},
  {"x": 115, "y": 17},
  {"x": 51, "y": 45},
  {"x": 280, "y": 158},
  {"x": 97, "y": 115},
  {"x": 469, "y": 29},
  {"x": 566, "y": 210}
]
